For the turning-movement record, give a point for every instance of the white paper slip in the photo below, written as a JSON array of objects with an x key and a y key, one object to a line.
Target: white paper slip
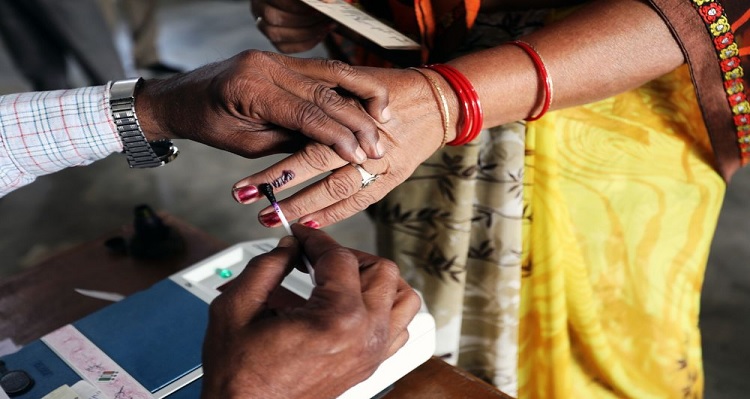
[
  {"x": 103, "y": 295},
  {"x": 87, "y": 391},
  {"x": 364, "y": 24},
  {"x": 63, "y": 392}
]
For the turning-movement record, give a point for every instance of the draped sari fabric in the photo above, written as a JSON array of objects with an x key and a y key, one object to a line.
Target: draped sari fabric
[
  {"x": 623, "y": 204},
  {"x": 565, "y": 257}
]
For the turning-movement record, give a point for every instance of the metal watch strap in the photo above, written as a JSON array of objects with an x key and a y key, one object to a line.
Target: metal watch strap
[{"x": 139, "y": 152}]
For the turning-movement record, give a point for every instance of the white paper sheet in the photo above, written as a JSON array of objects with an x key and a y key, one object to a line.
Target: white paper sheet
[{"x": 364, "y": 24}]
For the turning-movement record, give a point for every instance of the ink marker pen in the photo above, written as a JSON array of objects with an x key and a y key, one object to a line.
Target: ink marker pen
[{"x": 267, "y": 190}]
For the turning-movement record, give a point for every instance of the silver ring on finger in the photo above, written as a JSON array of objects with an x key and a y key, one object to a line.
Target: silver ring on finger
[
  {"x": 367, "y": 177},
  {"x": 258, "y": 20}
]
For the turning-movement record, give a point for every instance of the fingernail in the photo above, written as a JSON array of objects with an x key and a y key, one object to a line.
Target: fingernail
[
  {"x": 269, "y": 219},
  {"x": 312, "y": 224},
  {"x": 287, "y": 241},
  {"x": 360, "y": 155},
  {"x": 380, "y": 148},
  {"x": 386, "y": 115},
  {"x": 245, "y": 194}
]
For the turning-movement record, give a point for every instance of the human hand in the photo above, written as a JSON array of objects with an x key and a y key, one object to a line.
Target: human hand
[
  {"x": 411, "y": 136},
  {"x": 291, "y": 25},
  {"x": 253, "y": 103},
  {"x": 355, "y": 318}
]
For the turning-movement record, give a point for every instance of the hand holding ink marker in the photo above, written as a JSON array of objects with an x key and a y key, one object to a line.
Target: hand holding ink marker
[{"x": 267, "y": 190}]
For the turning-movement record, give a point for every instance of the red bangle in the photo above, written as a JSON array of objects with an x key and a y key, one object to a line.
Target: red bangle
[
  {"x": 471, "y": 117},
  {"x": 543, "y": 76},
  {"x": 469, "y": 100}
]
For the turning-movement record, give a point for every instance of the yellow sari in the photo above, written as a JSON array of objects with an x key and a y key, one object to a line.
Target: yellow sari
[{"x": 625, "y": 200}]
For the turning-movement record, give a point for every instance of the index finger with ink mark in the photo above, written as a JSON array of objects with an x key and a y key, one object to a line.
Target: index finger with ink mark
[{"x": 312, "y": 161}]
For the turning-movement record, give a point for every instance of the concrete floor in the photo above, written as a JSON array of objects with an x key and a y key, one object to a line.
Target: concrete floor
[{"x": 78, "y": 204}]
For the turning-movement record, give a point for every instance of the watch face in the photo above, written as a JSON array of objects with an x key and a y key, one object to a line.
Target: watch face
[
  {"x": 161, "y": 148},
  {"x": 165, "y": 150}
]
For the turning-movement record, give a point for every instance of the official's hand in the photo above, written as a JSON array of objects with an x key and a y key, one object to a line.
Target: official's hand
[
  {"x": 254, "y": 103},
  {"x": 412, "y": 135},
  {"x": 291, "y": 25},
  {"x": 355, "y": 318}
]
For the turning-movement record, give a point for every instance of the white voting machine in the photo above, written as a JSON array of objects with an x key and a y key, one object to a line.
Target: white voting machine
[{"x": 148, "y": 345}]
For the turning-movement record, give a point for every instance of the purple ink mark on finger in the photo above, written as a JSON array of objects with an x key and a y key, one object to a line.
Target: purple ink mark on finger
[{"x": 286, "y": 177}]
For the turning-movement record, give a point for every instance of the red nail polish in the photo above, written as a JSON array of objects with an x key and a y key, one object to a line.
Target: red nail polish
[
  {"x": 312, "y": 224},
  {"x": 245, "y": 194},
  {"x": 270, "y": 219}
]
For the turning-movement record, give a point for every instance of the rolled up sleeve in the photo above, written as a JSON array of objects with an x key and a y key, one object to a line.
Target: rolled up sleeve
[{"x": 44, "y": 132}]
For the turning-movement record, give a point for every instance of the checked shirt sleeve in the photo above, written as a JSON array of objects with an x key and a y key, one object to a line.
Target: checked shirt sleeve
[{"x": 44, "y": 132}]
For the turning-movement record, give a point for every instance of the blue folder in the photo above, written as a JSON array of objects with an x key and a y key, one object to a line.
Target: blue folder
[{"x": 155, "y": 335}]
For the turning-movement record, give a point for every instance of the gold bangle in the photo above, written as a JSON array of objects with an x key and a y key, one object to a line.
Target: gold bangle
[{"x": 439, "y": 94}]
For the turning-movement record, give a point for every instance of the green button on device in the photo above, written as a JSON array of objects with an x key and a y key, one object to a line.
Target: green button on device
[{"x": 224, "y": 273}]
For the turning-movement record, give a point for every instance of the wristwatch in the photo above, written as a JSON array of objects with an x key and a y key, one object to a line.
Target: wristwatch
[{"x": 139, "y": 152}]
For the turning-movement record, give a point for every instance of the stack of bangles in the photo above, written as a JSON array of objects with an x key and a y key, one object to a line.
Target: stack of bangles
[{"x": 472, "y": 117}]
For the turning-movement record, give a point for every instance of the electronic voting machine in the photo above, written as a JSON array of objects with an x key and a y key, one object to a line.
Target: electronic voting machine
[{"x": 148, "y": 345}]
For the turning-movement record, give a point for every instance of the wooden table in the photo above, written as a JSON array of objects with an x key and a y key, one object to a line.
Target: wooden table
[{"x": 42, "y": 299}]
